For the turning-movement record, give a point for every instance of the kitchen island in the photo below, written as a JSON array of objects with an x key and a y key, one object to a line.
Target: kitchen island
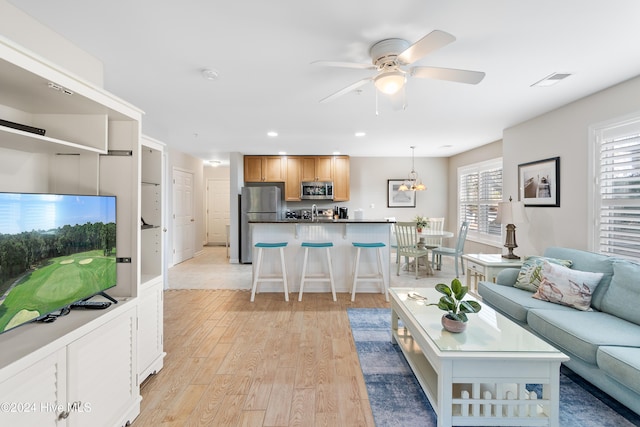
[{"x": 342, "y": 233}]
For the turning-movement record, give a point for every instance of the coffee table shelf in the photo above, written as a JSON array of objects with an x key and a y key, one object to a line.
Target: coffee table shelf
[{"x": 478, "y": 377}]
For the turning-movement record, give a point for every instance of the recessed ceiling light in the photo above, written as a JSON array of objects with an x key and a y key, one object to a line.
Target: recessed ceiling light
[
  {"x": 272, "y": 134},
  {"x": 214, "y": 163},
  {"x": 335, "y": 153},
  {"x": 551, "y": 79},
  {"x": 360, "y": 134},
  {"x": 210, "y": 74},
  {"x": 282, "y": 153}
]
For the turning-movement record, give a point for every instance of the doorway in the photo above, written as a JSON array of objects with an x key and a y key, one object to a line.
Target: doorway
[
  {"x": 183, "y": 219},
  {"x": 218, "y": 211}
]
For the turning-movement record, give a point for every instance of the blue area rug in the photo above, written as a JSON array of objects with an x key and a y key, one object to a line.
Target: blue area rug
[{"x": 397, "y": 399}]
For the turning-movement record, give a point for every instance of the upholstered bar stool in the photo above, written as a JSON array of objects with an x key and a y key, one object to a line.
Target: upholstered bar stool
[
  {"x": 257, "y": 274},
  {"x": 325, "y": 278},
  {"x": 378, "y": 276}
]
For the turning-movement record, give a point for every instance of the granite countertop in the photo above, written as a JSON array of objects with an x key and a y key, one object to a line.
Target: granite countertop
[{"x": 323, "y": 221}]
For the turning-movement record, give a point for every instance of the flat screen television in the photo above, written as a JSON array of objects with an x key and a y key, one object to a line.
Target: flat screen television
[{"x": 55, "y": 249}]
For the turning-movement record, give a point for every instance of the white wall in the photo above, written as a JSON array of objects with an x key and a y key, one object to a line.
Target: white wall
[
  {"x": 369, "y": 177},
  {"x": 563, "y": 132}
]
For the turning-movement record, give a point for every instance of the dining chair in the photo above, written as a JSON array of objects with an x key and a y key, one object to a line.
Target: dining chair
[
  {"x": 456, "y": 253},
  {"x": 407, "y": 239},
  {"x": 437, "y": 225}
]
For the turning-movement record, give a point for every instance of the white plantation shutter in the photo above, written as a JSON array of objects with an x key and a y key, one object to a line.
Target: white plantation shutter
[
  {"x": 618, "y": 226},
  {"x": 480, "y": 191}
]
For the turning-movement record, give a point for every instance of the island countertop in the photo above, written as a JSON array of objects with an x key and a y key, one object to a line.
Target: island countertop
[
  {"x": 342, "y": 233},
  {"x": 322, "y": 221}
]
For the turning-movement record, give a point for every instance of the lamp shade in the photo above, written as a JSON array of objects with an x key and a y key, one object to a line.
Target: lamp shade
[
  {"x": 511, "y": 213},
  {"x": 389, "y": 82}
]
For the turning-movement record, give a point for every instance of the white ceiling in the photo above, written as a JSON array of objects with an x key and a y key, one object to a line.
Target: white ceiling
[{"x": 154, "y": 50}]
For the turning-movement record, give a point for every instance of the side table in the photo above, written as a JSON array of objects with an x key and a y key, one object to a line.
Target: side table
[{"x": 486, "y": 267}]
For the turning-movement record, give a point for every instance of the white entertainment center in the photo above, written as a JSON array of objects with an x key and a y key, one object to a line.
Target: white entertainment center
[{"x": 85, "y": 368}]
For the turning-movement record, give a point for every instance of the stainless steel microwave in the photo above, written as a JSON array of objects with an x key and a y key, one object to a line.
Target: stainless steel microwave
[{"x": 316, "y": 190}]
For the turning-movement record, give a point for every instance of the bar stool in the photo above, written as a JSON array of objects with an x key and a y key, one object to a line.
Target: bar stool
[
  {"x": 376, "y": 277},
  {"x": 305, "y": 278},
  {"x": 258, "y": 278}
]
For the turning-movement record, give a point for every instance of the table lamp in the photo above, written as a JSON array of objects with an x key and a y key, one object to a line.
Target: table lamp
[{"x": 511, "y": 213}]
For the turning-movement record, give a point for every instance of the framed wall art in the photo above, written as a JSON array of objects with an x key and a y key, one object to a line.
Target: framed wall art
[
  {"x": 539, "y": 183},
  {"x": 399, "y": 199}
]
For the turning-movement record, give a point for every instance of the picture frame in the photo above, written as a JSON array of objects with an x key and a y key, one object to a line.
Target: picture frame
[
  {"x": 399, "y": 199},
  {"x": 539, "y": 183}
]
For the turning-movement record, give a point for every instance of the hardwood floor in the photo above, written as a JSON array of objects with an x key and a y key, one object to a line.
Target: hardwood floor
[
  {"x": 270, "y": 363},
  {"x": 231, "y": 362}
]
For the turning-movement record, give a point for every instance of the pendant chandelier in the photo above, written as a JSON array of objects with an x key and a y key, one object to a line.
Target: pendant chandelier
[{"x": 413, "y": 182}]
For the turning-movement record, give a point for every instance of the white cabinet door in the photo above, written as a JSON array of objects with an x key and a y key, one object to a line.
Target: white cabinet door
[
  {"x": 36, "y": 396},
  {"x": 102, "y": 373},
  {"x": 150, "y": 329}
]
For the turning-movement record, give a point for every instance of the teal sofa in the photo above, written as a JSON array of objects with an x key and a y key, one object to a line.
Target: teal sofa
[{"x": 603, "y": 344}]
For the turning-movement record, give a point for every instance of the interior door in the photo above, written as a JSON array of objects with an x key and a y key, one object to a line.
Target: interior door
[
  {"x": 183, "y": 219},
  {"x": 218, "y": 211}
]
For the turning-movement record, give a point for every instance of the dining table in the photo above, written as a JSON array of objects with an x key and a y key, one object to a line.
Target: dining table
[{"x": 431, "y": 234}]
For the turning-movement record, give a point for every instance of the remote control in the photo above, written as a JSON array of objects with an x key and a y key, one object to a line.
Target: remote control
[{"x": 92, "y": 305}]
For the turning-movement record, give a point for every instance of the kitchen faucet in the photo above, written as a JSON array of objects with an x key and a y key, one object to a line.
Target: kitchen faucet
[{"x": 314, "y": 212}]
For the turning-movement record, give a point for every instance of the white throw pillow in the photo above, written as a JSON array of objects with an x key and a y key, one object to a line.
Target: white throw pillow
[
  {"x": 530, "y": 274},
  {"x": 562, "y": 285}
]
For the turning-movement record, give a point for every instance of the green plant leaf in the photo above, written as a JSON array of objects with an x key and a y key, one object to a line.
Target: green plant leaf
[
  {"x": 446, "y": 303},
  {"x": 458, "y": 290},
  {"x": 456, "y": 284},
  {"x": 443, "y": 289},
  {"x": 460, "y": 317},
  {"x": 470, "y": 307}
]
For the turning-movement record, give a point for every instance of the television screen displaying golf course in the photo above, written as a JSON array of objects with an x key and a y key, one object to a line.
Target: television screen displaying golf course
[{"x": 54, "y": 250}]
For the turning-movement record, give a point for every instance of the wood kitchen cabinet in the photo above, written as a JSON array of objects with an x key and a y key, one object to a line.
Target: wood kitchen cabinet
[
  {"x": 292, "y": 170},
  {"x": 294, "y": 177},
  {"x": 317, "y": 168},
  {"x": 264, "y": 169},
  {"x": 341, "y": 179}
]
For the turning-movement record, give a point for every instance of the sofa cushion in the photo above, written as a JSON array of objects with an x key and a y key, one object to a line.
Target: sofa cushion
[
  {"x": 623, "y": 297},
  {"x": 562, "y": 285},
  {"x": 530, "y": 273},
  {"x": 582, "y": 332},
  {"x": 512, "y": 301},
  {"x": 587, "y": 261},
  {"x": 622, "y": 364}
]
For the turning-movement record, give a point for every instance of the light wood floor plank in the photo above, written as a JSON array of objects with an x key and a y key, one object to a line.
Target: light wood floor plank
[{"x": 267, "y": 363}]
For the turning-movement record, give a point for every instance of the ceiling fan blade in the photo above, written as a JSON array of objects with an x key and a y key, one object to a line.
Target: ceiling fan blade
[
  {"x": 346, "y": 90},
  {"x": 432, "y": 41},
  {"x": 451, "y": 74},
  {"x": 341, "y": 64}
]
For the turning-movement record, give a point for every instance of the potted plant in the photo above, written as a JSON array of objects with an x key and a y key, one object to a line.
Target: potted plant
[
  {"x": 421, "y": 222},
  {"x": 455, "y": 320}
]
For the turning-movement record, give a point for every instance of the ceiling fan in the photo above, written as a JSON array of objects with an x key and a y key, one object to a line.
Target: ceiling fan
[{"x": 390, "y": 58}]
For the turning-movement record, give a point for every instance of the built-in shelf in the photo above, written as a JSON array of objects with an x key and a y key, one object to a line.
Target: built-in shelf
[
  {"x": 16, "y": 139},
  {"x": 82, "y": 123}
]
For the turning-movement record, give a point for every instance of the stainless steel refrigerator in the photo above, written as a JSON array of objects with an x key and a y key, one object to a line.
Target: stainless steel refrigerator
[{"x": 256, "y": 204}]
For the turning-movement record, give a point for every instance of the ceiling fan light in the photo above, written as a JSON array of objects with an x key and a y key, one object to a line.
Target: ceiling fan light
[{"x": 389, "y": 82}]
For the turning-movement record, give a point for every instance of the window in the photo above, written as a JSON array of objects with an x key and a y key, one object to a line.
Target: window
[
  {"x": 480, "y": 191},
  {"x": 616, "y": 169}
]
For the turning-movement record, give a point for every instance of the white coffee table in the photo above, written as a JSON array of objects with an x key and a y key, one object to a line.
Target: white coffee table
[{"x": 478, "y": 377}]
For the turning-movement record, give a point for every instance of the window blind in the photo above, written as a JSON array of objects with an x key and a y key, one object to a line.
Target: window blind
[
  {"x": 619, "y": 188},
  {"x": 480, "y": 191}
]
